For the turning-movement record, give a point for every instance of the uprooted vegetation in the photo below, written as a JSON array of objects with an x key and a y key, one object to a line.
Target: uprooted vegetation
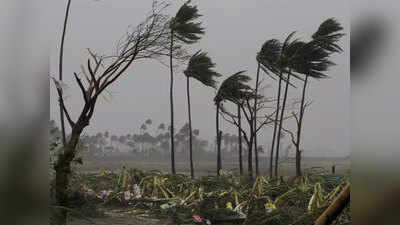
[{"x": 226, "y": 199}]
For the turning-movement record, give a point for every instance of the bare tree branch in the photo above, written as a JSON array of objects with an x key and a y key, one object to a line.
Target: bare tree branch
[{"x": 84, "y": 94}]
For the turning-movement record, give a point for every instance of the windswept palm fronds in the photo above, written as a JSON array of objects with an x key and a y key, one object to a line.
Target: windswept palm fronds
[
  {"x": 184, "y": 30},
  {"x": 201, "y": 68},
  {"x": 233, "y": 89},
  {"x": 183, "y": 25}
]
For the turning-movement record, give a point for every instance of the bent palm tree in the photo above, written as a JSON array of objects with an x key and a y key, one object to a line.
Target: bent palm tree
[
  {"x": 289, "y": 48},
  {"x": 233, "y": 89},
  {"x": 277, "y": 58},
  {"x": 200, "y": 67},
  {"x": 314, "y": 63},
  {"x": 185, "y": 31},
  {"x": 309, "y": 59},
  {"x": 268, "y": 59}
]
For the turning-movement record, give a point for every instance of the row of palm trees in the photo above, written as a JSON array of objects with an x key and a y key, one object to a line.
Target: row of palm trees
[
  {"x": 301, "y": 60},
  {"x": 287, "y": 59}
]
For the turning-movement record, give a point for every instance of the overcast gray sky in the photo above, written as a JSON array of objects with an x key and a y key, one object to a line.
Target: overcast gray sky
[{"x": 235, "y": 31}]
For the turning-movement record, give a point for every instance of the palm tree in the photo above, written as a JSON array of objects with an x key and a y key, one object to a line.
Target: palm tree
[
  {"x": 148, "y": 122},
  {"x": 315, "y": 63},
  {"x": 274, "y": 57},
  {"x": 232, "y": 89},
  {"x": 268, "y": 59},
  {"x": 185, "y": 31},
  {"x": 200, "y": 67},
  {"x": 161, "y": 127},
  {"x": 286, "y": 63}
]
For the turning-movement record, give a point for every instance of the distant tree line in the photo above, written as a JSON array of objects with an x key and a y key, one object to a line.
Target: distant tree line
[{"x": 150, "y": 143}]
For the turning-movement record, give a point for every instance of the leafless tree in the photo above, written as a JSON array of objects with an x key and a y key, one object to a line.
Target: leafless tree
[
  {"x": 149, "y": 40},
  {"x": 295, "y": 137}
]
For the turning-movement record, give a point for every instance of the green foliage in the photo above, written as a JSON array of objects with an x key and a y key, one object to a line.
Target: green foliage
[
  {"x": 234, "y": 89},
  {"x": 328, "y": 34},
  {"x": 269, "y": 56},
  {"x": 201, "y": 68},
  {"x": 296, "y": 57},
  {"x": 183, "y": 25}
]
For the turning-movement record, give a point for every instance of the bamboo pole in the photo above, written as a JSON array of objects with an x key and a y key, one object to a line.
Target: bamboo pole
[{"x": 336, "y": 207}]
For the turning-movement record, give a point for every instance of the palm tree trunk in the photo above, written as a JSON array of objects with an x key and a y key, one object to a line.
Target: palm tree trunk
[
  {"x": 271, "y": 159},
  {"x": 61, "y": 70},
  {"x": 171, "y": 98},
  {"x": 255, "y": 119},
  {"x": 300, "y": 125},
  {"x": 219, "y": 163},
  {"x": 190, "y": 128},
  {"x": 280, "y": 125},
  {"x": 240, "y": 139}
]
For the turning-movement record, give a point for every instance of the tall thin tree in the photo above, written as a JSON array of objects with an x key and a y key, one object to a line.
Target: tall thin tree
[
  {"x": 232, "y": 89},
  {"x": 269, "y": 57},
  {"x": 239, "y": 113},
  {"x": 184, "y": 30},
  {"x": 201, "y": 68},
  {"x": 60, "y": 68},
  {"x": 255, "y": 116},
  {"x": 289, "y": 48}
]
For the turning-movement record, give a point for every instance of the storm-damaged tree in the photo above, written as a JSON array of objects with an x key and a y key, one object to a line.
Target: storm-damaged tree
[
  {"x": 60, "y": 69},
  {"x": 148, "y": 40},
  {"x": 232, "y": 89},
  {"x": 201, "y": 68},
  {"x": 183, "y": 30}
]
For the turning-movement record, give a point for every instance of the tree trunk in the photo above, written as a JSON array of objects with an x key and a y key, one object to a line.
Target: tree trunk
[
  {"x": 63, "y": 171},
  {"x": 299, "y": 128},
  {"x": 250, "y": 158},
  {"x": 336, "y": 207},
  {"x": 250, "y": 150},
  {"x": 255, "y": 119},
  {"x": 59, "y": 216},
  {"x": 271, "y": 159},
  {"x": 190, "y": 129},
  {"x": 240, "y": 140},
  {"x": 171, "y": 98},
  {"x": 219, "y": 163},
  {"x": 280, "y": 125},
  {"x": 61, "y": 71}
]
